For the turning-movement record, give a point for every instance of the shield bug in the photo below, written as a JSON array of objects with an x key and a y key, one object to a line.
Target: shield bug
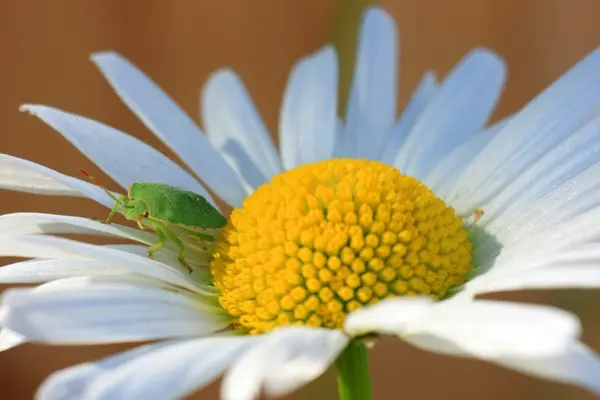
[{"x": 166, "y": 209}]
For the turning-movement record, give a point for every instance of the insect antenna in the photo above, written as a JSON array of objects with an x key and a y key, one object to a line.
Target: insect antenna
[{"x": 97, "y": 183}]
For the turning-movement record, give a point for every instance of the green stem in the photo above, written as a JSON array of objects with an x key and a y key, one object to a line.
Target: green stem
[{"x": 354, "y": 380}]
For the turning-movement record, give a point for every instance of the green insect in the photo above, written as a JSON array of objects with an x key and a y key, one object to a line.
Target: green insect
[{"x": 164, "y": 208}]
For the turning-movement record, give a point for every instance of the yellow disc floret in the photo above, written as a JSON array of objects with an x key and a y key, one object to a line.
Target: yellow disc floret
[{"x": 325, "y": 239}]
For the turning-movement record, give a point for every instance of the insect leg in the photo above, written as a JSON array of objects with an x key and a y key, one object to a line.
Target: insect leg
[
  {"x": 200, "y": 235},
  {"x": 120, "y": 201},
  {"x": 179, "y": 244},
  {"x": 139, "y": 221},
  {"x": 162, "y": 240}
]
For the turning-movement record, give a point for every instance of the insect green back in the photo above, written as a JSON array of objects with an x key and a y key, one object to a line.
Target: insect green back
[{"x": 175, "y": 205}]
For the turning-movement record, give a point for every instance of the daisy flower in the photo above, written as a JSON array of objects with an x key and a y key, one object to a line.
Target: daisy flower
[{"x": 362, "y": 225}]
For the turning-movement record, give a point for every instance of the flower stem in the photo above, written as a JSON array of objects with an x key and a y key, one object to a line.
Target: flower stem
[{"x": 354, "y": 380}]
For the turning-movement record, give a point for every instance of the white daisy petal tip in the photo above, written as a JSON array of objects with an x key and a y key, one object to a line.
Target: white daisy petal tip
[
  {"x": 487, "y": 54},
  {"x": 379, "y": 16},
  {"x": 327, "y": 52},
  {"x": 325, "y": 58},
  {"x": 25, "y": 176},
  {"x": 216, "y": 76},
  {"x": 64, "y": 384},
  {"x": 429, "y": 79},
  {"x": 490, "y": 60},
  {"x": 578, "y": 365},
  {"x": 9, "y": 338},
  {"x": 104, "y": 55},
  {"x": 29, "y": 108},
  {"x": 44, "y": 112},
  {"x": 111, "y": 59}
]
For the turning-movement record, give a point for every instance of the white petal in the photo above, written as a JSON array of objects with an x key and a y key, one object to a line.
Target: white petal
[
  {"x": 171, "y": 125},
  {"x": 309, "y": 111},
  {"x": 71, "y": 383},
  {"x": 123, "y": 157},
  {"x": 39, "y": 270},
  {"x": 551, "y": 277},
  {"x": 575, "y": 265},
  {"x": 565, "y": 162},
  {"x": 285, "y": 360},
  {"x": 34, "y": 271},
  {"x": 26, "y": 176},
  {"x": 443, "y": 177},
  {"x": 371, "y": 107},
  {"x": 460, "y": 108},
  {"x": 59, "y": 248},
  {"x": 170, "y": 372},
  {"x": 480, "y": 328},
  {"x": 105, "y": 313},
  {"x": 390, "y": 316},
  {"x": 572, "y": 240},
  {"x": 26, "y": 223},
  {"x": 10, "y": 339},
  {"x": 85, "y": 281},
  {"x": 496, "y": 329},
  {"x": 551, "y": 117},
  {"x": 239, "y": 159},
  {"x": 576, "y": 365},
  {"x": 418, "y": 101},
  {"x": 575, "y": 199},
  {"x": 230, "y": 117},
  {"x": 574, "y": 203}
]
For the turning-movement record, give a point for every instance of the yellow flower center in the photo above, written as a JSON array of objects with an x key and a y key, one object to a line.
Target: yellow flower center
[{"x": 325, "y": 239}]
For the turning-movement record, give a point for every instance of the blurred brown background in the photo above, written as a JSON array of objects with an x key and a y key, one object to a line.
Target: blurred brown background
[{"x": 45, "y": 46}]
